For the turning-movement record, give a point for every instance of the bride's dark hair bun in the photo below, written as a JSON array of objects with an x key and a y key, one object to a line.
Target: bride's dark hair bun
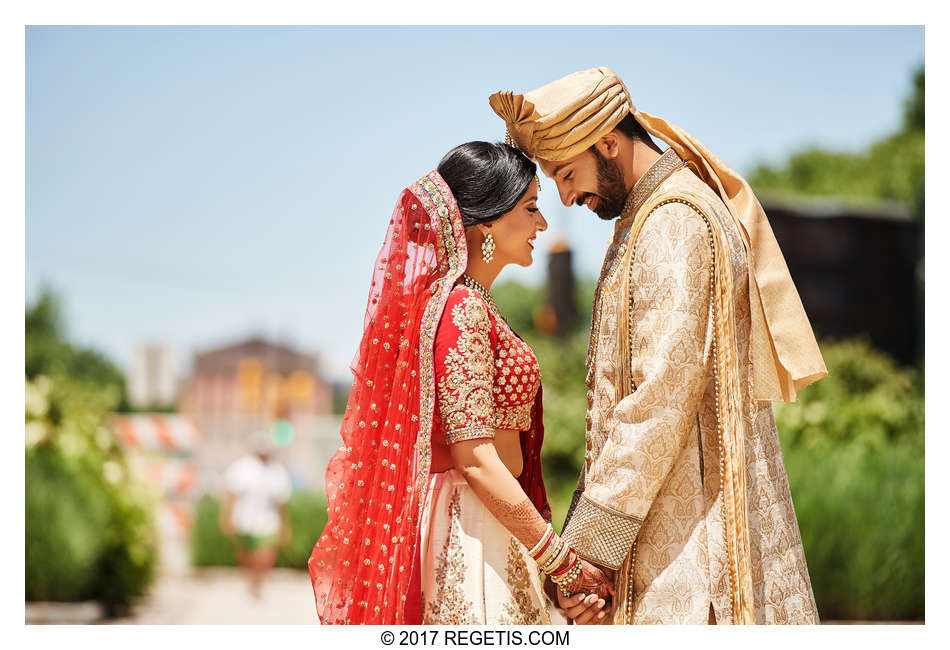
[{"x": 487, "y": 179}]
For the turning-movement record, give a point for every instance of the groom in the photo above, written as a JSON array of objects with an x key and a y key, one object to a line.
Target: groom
[{"x": 683, "y": 499}]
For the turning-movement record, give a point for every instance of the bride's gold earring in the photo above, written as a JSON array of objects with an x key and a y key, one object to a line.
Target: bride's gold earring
[{"x": 488, "y": 248}]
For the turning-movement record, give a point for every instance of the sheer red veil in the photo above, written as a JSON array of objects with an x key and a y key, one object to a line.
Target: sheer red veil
[{"x": 364, "y": 567}]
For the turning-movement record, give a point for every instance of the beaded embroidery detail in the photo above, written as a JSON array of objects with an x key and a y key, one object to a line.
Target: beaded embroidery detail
[{"x": 488, "y": 378}]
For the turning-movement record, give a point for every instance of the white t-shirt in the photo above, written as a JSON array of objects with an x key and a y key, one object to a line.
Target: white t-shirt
[{"x": 259, "y": 489}]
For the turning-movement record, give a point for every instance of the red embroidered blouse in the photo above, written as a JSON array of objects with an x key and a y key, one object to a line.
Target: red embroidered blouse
[{"x": 486, "y": 377}]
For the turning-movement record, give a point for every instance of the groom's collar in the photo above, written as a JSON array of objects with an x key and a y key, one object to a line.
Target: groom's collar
[{"x": 658, "y": 172}]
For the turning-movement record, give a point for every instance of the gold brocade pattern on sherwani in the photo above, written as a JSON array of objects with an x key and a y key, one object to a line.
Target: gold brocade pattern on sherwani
[
  {"x": 654, "y": 453},
  {"x": 520, "y": 609},
  {"x": 449, "y": 605}
]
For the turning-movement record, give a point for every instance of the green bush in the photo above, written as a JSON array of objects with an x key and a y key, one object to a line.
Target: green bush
[
  {"x": 210, "y": 547},
  {"x": 308, "y": 516},
  {"x": 861, "y": 515},
  {"x": 854, "y": 451},
  {"x": 90, "y": 531},
  {"x": 66, "y": 511},
  {"x": 129, "y": 560},
  {"x": 866, "y": 399}
]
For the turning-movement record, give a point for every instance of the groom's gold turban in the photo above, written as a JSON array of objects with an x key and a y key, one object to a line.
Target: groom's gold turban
[{"x": 565, "y": 117}]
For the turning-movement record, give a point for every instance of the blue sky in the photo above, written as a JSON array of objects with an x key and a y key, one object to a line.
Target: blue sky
[{"x": 196, "y": 185}]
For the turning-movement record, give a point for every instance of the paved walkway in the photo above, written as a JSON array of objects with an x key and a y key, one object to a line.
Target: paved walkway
[{"x": 222, "y": 597}]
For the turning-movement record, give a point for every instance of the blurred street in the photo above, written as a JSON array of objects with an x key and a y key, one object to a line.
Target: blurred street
[{"x": 221, "y": 597}]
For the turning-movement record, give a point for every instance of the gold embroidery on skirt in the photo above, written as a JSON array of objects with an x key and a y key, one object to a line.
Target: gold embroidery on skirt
[
  {"x": 450, "y": 606},
  {"x": 519, "y": 610}
]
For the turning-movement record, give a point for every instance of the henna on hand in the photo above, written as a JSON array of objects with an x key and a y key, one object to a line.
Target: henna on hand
[
  {"x": 522, "y": 519},
  {"x": 593, "y": 580}
]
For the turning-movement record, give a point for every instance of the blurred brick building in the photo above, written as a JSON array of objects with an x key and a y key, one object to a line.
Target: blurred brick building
[{"x": 238, "y": 389}]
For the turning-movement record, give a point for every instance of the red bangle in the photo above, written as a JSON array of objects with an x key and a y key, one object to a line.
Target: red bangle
[
  {"x": 568, "y": 565},
  {"x": 543, "y": 549}
]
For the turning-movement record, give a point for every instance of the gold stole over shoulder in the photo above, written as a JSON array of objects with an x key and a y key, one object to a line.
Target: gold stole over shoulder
[
  {"x": 785, "y": 354},
  {"x": 729, "y": 400}
]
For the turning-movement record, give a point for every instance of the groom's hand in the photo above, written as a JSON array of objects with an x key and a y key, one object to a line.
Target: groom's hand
[{"x": 583, "y": 609}]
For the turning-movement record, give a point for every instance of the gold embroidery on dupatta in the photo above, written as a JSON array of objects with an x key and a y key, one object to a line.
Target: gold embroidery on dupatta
[
  {"x": 434, "y": 194},
  {"x": 520, "y": 609},
  {"x": 465, "y": 390},
  {"x": 450, "y": 606}
]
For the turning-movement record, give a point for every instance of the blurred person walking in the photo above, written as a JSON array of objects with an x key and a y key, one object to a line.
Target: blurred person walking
[
  {"x": 254, "y": 510},
  {"x": 697, "y": 327},
  {"x": 437, "y": 507}
]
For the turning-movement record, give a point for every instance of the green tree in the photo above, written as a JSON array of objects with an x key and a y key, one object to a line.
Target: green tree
[
  {"x": 914, "y": 106},
  {"x": 49, "y": 353},
  {"x": 892, "y": 168}
]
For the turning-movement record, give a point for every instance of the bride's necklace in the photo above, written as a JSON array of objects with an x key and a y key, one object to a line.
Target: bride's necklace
[{"x": 472, "y": 283}]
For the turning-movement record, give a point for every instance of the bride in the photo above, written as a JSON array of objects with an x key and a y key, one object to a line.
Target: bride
[{"x": 437, "y": 511}]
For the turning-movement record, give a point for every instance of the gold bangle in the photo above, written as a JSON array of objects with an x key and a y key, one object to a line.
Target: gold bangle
[
  {"x": 566, "y": 576},
  {"x": 550, "y": 560},
  {"x": 562, "y": 558},
  {"x": 569, "y": 578},
  {"x": 558, "y": 559},
  {"x": 550, "y": 551},
  {"x": 544, "y": 538}
]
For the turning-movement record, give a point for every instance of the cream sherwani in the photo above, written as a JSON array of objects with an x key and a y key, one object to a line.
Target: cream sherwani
[{"x": 649, "y": 502}]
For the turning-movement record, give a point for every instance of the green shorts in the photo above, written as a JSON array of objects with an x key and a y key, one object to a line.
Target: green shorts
[{"x": 253, "y": 542}]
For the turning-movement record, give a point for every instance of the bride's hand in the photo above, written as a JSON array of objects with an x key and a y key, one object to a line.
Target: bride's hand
[{"x": 594, "y": 580}]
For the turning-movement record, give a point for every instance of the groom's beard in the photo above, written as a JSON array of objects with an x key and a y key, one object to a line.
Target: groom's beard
[{"x": 610, "y": 188}]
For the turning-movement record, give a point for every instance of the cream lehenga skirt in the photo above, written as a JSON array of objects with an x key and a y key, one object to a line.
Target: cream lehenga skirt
[{"x": 473, "y": 570}]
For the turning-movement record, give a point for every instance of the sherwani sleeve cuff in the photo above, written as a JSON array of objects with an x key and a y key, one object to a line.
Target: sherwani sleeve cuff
[{"x": 601, "y": 534}]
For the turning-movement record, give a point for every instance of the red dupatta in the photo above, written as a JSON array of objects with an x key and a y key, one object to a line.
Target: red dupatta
[{"x": 364, "y": 566}]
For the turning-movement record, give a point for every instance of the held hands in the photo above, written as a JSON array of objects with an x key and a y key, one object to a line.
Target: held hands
[
  {"x": 583, "y": 590},
  {"x": 583, "y": 609},
  {"x": 594, "y": 580},
  {"x": 594, "y": 592}
]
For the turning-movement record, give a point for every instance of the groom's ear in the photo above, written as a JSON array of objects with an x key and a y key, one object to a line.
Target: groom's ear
[{"x": 609, "y": 145}]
